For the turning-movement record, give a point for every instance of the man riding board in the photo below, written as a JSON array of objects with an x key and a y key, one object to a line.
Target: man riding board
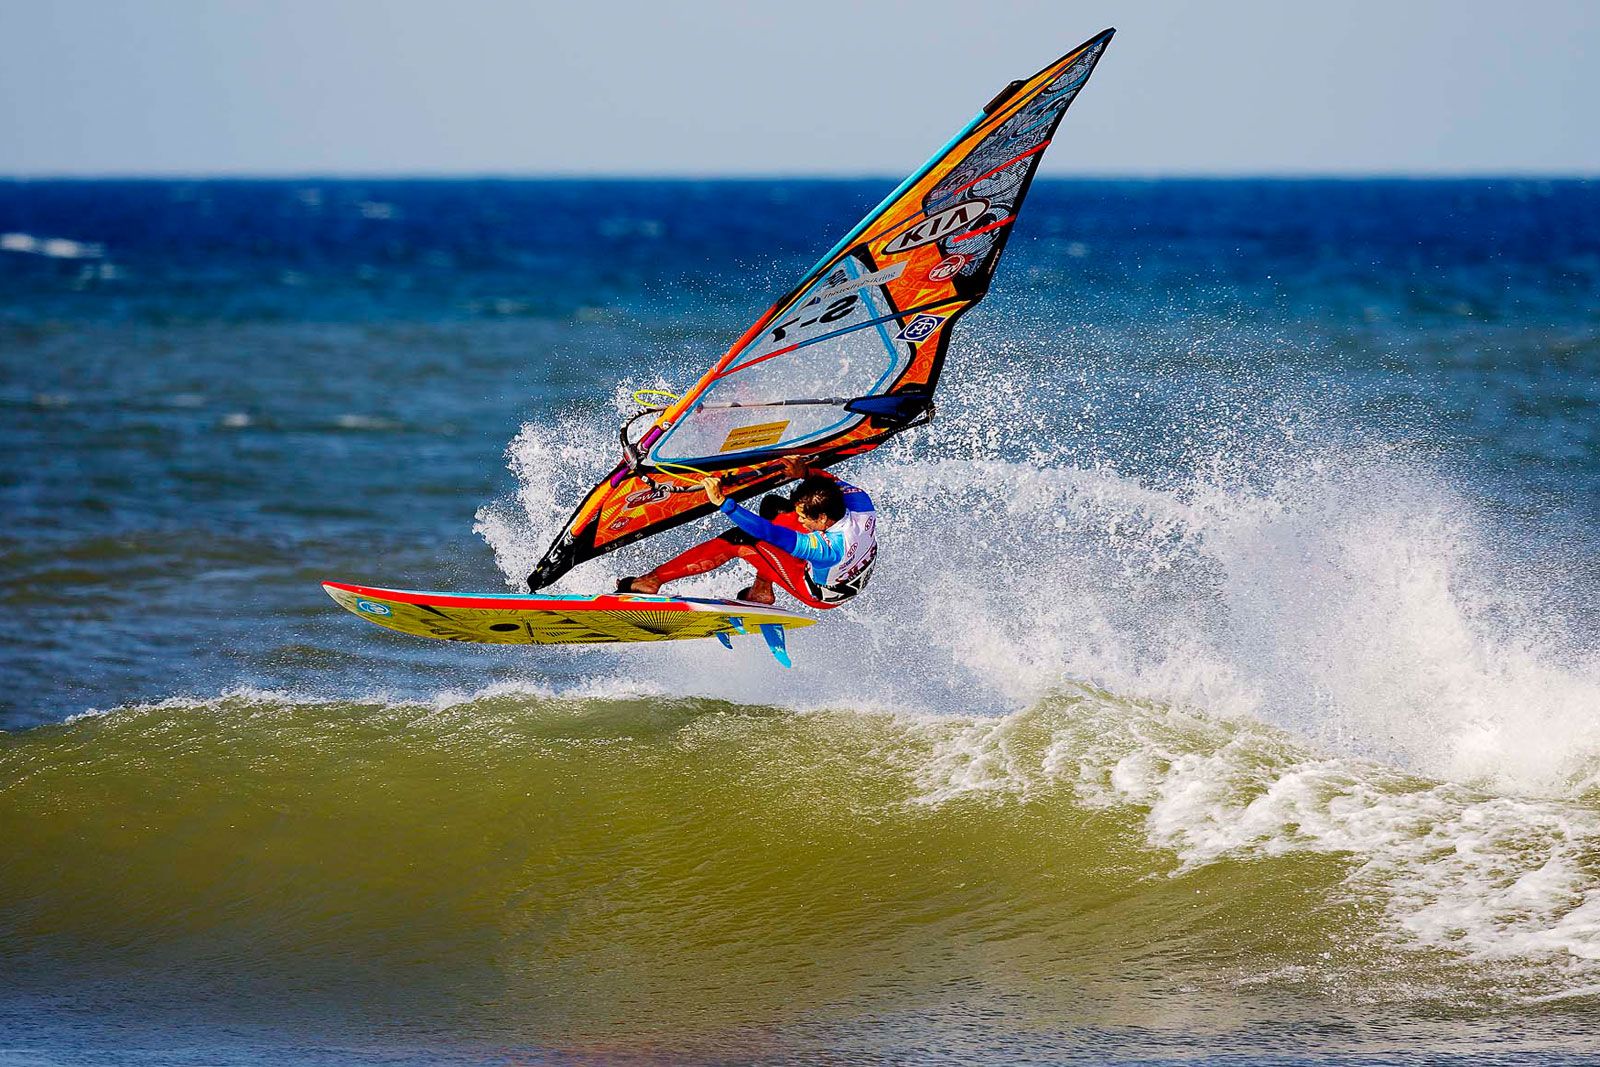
[{"x": 819, "y": 544}]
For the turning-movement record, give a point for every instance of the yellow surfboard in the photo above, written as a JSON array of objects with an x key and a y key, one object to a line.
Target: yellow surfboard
[{"x": 525, "y": 619}]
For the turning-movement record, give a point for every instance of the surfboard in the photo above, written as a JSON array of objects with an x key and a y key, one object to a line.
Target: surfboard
[{"x": 563, "y": 619}]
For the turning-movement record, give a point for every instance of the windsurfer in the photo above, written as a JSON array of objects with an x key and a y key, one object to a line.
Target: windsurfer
[{"x": 819, "y": 545}]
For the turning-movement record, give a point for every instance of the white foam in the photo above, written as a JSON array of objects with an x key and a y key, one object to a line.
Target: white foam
[
  {"x": 1490, "y": 878},
  {"x": 550, "y": 464},
  {"x": 353, "y": 421},
  {"x": 238, "y": 694},
  {"x": 1481, "y": 878},
  {"x": 50, "y": 247},
  {"x": 1325, "y": 651},
  {"x": 1343, "y": 596},
  {"x": 594, "y": 688}
]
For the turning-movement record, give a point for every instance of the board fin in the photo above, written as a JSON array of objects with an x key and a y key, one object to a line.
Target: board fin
[{"x": 773, "y": 632}]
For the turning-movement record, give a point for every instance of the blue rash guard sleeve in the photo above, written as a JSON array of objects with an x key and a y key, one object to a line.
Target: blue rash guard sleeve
[{"x": 816, "y": 548}]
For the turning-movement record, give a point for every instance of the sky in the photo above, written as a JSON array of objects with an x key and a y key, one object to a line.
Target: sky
[{"x": 713, "y": 87}]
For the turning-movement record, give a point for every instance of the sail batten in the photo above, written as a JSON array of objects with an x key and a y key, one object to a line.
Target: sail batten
[
  {"x": 851, "y": 354},
  {"x": 839, "y": 333}
]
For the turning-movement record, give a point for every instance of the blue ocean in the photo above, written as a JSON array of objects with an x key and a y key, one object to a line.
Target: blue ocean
[{"x": 1228, "y": 690}]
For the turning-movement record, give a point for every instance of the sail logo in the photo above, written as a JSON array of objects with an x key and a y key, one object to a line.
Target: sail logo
[
  {"x": 642, "y": 497},
  {"x": 846, "y": 285},
  {"x": 761, "y": 435},
  {"x": 939, "y": 225},
  {"x": 948, "y": 267},
  {"x": 373, "y": 609},
  {"x": 919, "y": 328}
]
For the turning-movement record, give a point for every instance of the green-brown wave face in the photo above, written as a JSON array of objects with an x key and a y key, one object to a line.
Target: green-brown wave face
[{"x": 645, "y": 873}]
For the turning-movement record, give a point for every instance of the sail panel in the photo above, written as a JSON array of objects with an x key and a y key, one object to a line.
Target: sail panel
[{"x": 788, "y": 388}]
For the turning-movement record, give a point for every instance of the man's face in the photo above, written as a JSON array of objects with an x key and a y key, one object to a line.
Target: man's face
[{"x": 813, "y": 523}]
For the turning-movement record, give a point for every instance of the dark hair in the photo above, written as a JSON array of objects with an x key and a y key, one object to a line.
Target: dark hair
[{"x": 820, "y": 496}]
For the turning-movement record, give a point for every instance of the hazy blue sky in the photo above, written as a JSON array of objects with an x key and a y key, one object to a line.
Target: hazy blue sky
[{"x": 686, "y": 87}]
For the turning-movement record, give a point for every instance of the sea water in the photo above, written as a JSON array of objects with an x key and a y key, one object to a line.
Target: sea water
[{"x": 1228, "y": 689}]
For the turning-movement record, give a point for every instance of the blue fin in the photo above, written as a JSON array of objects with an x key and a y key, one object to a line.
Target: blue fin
[
  {"x": 737, "y": 622},
  {"x": 726, "y": 641},
  {"x": 773, "y": 632}
]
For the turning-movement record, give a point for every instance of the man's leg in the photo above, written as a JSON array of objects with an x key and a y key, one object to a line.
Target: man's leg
[
  {"x": 780, "y": 511},
  {"x": 698, "y": 560},
  {"x": 773, "y": 507},
  {"x": 776, "y": 567},
  {"x": 760, "y": 591},
  {"x": 773, "y": 566}
]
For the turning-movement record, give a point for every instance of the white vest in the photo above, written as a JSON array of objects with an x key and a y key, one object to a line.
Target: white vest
[{"x": 843, "y": 580}]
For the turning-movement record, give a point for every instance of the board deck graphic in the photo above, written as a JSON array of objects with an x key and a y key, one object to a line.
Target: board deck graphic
[{"x": 521, "y": 619}]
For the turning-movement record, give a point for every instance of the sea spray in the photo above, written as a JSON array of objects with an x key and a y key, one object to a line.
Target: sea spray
[{"x": 1348, "y": 596}]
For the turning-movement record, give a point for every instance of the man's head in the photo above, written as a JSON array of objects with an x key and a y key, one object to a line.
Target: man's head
[{"x": 818, "y": 503}]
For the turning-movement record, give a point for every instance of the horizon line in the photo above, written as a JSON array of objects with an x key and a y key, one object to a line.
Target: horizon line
[{"x": 774, "y": 176}]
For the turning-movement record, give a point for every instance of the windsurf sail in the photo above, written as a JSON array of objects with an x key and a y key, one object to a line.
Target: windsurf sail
[{"x": 850, "y": 355}]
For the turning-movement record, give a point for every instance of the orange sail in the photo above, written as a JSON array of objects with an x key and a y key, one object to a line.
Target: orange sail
[{"x": 850, "y": 356}]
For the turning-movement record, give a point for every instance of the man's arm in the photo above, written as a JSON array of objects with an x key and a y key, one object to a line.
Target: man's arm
[
  {"x": 855, "y": 499},
  {"x": 811, "y": 547}
]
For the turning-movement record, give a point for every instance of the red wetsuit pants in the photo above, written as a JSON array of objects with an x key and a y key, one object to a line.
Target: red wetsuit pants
[{"x": 771, "y": 563}]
